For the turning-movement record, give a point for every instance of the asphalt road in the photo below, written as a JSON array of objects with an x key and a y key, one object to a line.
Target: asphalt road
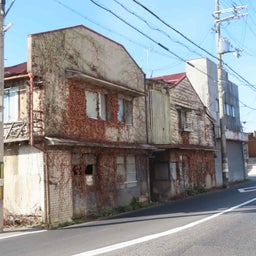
[{"x": 217, "y": 223}]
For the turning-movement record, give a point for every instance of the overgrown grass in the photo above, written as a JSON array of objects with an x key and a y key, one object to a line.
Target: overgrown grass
[
  {"x": 195, "y": 190},
  {"x": 134, "y": 205}
]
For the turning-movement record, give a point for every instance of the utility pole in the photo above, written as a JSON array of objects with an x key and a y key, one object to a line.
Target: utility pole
[
  {"x": 221, "y": 83},
  {"x": 2, "y": 14}
]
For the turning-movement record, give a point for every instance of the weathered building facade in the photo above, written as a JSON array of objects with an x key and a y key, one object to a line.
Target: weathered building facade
[
  {"x": 77, "y": 142},
  {"x": 182, "y": 130},
  {"x": 203, "y": 76}
]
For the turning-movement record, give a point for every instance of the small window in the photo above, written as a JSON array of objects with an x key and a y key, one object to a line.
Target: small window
[
  {"x": 96, "y": 105},
  {"x": 227, "y": 109},
  {"x": 233, "y": 113},
  {"x": 11, "y": 101},
  {"x": 217, "y": 105},
  {"x": 89, "y": 169},
  {"x": 184, "y": 125},
  {"x": 124, "y": 111},
  {"x": 90, "y": 175}
]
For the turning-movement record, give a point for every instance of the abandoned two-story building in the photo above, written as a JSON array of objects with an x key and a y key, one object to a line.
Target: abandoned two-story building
[
  {"x": 85, "y": 131},
  {"x": 183, "y": 131},
  {"x": 74, "y": 127}
]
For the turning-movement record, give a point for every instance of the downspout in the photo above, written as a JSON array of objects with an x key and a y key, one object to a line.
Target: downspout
[
  {"x": 147, "y": 139},
  {"x": 45, "y": 156},
  {"x": 31, "y": 121}
]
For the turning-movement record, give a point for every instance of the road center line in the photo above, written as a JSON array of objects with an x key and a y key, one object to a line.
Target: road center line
[{"x": 158, "y": 235}]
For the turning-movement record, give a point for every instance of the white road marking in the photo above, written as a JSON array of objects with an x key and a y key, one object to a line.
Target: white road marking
[
  {"x": 158, "y": 235},
  {"x": 248, "y": 189},
  {"x": 10, "y": 235}
]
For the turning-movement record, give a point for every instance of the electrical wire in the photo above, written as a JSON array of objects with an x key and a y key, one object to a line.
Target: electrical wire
[
  {"x": 189, "y": 40},
  {"x": 155, "y": 28},
  {"x": 140, "y": 32},
  {"x": 161, "y": 45}
]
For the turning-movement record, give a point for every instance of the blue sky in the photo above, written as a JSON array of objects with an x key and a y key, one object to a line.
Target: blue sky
[{"x": 193, "y": 18}]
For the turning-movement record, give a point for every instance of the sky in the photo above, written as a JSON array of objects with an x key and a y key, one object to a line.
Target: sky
[{"x": 160, "y": 38}]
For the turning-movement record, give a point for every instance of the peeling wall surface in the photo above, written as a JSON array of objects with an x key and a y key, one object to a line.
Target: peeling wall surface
[
  {"x": 181, "y": 97},
  {"x": 103, "y": 179},
  {"x": 83, "y": 50},
  {"x": 179, "y": 170},
  {"x": 92, "y": 91},
  {"x": 60, "y": 185},
  {"x": 200, "y": 127},
  {"x": 24, "y": 182},
  {"x": 187, "y": 158}
]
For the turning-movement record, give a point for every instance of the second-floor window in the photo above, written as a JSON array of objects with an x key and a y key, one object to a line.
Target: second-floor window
[
  {"x": 124, "y": 111},
  {"x": 11, "y": 101},
  {"x": 184, "y": 125},
  {"x": 229, "y": 110},
  {"x": 96, "y": 105}
]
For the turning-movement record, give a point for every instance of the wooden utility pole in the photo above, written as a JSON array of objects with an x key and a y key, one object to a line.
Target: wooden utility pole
[
  {"x": 221, "y": 82},
  {"x": 2, "y": 14}
]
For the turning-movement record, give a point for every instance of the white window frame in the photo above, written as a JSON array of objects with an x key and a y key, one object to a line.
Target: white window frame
[
  {"x": 126, "y": 168},
  {"x": 11, "y": 104},
  {"x": 96, "y": 105},
  {"x": 125, "y": 111}
]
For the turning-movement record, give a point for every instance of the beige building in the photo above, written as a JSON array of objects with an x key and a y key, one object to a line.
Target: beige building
[{"x": 75, "y": 128}]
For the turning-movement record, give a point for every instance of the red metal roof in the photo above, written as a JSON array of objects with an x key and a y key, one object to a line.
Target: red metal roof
[
  {"x": 173, "y": 79},
  {"x": 18, "y": 69}
]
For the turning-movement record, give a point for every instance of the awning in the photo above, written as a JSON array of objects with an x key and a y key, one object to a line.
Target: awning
[
  {"x": 72, "y": 74},
  {"x": 69, "y": 142}
]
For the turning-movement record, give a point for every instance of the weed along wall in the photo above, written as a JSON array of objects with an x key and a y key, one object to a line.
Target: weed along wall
[{"x": 106, "y": 178}]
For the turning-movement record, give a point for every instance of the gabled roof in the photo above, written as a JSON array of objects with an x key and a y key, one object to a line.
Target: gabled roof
[
  {"x": 18, "y": 69},
  {"x": 173, "y": 79},
  {"x": 88, "y": 29}
]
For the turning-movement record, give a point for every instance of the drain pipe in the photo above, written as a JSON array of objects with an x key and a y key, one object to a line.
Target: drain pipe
[{"x": 45, "y": 157}]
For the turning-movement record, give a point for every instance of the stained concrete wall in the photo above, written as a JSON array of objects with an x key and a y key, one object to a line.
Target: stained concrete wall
[
  {"x": 24, "y": 182},
  {"x": 78, "y": 48},
  {"x": 60, "y": 186}
]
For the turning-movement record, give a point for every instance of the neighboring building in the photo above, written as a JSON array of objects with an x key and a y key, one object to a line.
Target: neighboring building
[
  {"x": 252, "y": 144},
  {"x": 75, "y": 128},
  {"x": 203, "y": 76},
  {"x": 252, "y": 153},
  {"x": 182, "y": 130}
]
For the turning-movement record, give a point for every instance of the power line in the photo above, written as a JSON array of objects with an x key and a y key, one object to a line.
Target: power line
[
  {"x": 159, "y": 44},
  {"x": 189, "y": 40},
  {"x": 175, "y": 30},
  {"x": 155, "y": 28},
  {"x": 142, "y": 33},
  {"x": 107, "y": 29}
]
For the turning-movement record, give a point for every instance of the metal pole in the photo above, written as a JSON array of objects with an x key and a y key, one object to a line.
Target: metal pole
[
  {"x": 2, "y": 14},
  {"x": 221, "y": 92}
]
